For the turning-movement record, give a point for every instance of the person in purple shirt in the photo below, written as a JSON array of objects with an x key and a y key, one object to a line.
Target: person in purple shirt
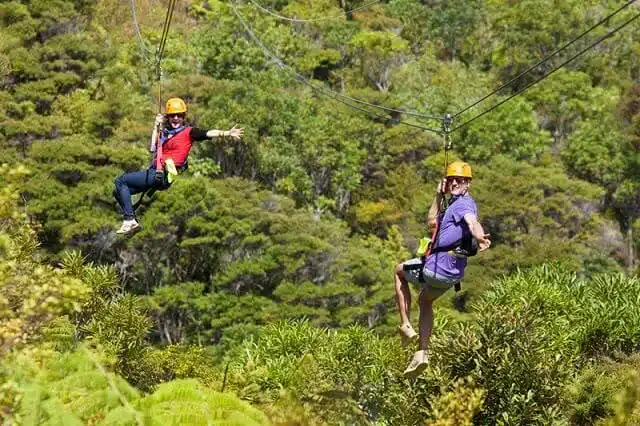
[{"x": 444, "y": 267}]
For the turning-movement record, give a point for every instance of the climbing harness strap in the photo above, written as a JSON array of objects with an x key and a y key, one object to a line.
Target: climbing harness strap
[
  {"x": 159, "y": 178},
  {"x": 467, "y": 247},
  {"x": 447, "y": 121},
  {"x": 172, "y": 174},
  {"x": 446, "y": 129}
]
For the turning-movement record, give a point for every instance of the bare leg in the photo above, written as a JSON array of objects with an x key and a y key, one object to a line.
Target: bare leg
[
  {"x": 403, "y": 296},
  {"x": 426, "y": 319},
  {"x": 420, "y": 358}
]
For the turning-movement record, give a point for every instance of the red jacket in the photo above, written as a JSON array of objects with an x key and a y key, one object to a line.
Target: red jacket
[{"x": 177, "y": 147}]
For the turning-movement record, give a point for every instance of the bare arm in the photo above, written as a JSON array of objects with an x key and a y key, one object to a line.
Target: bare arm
[
  {"x": 234, "y": 132},
  {"x": 477, "y": 231},
  {"x": 434, "y": 210}
]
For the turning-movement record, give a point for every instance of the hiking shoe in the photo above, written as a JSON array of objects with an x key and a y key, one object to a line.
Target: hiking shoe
[
  {"x": 407, "y": 333},
  {"x": 417, "y": 365},
  {"x": 128, "y": 227}
]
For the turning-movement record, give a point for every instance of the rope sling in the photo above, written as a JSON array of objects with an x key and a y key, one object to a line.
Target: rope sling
[
  {"x": 447, "y": 122},
  {"x": 159, "y": 169}
]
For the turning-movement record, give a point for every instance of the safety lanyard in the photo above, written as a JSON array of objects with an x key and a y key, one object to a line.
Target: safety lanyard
[
  {"x": 446, "y": 130},
  {"x": 159, "y": 152}
]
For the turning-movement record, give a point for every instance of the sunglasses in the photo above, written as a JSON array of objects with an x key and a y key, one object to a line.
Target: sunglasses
[
  {"x": 179, "y": 115},
  {"x": 458, "y": 179}
]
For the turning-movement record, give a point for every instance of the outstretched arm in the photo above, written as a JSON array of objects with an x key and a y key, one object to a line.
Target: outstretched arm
[
  {"x": 477, "y": 231},
  {"x": 235, "y": 132}
]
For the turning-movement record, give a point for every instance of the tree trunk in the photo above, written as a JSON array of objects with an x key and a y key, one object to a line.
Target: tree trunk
[{"x": 167, "y": 334}]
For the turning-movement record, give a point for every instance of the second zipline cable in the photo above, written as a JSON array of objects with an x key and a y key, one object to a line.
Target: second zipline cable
[
  {"x": 580, "y": 53},
  {"x": 345, "y": 99},
  {"x": 326, "y": 18},
  {"x": 546, "y": 58}
]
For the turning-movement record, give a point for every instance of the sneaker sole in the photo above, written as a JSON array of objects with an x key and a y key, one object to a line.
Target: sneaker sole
[
  {"x": 417, "y": 372},
  {"x": 130, "y": 232}
]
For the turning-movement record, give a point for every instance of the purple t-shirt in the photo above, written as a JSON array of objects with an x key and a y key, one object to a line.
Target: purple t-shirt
[{"x": 453, "y": 228}]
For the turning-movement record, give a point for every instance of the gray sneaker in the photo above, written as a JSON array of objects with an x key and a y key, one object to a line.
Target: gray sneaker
[
  {"x": 417, "y": 365},
  {"x": 129, "y": 227}
]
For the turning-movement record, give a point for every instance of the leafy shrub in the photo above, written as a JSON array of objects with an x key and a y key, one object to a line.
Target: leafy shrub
[
  {"x": 607, "y": 393},
  {"x": 75, "y": 388},
  {"x": 355, "y": 374},
  {"x": 458, "y": 405},
  {"x": 31, "y": 294}
]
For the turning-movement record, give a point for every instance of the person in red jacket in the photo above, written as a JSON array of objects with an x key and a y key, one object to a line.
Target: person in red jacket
[{"x": 171, "y": 142}]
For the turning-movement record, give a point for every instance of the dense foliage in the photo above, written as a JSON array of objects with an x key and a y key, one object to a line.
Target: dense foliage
[{"x": 268, "y": 265}]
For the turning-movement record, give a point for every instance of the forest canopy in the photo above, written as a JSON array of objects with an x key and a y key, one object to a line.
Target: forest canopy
[{"x": 268, "y": 263}]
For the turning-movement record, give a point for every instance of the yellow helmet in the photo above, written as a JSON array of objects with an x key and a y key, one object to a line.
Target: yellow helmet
[
  {"x": 175, "y": 106},
  {"x": 460, "y": 169}
]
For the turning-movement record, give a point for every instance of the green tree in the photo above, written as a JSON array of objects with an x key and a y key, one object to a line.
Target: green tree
[
  {"x": 525, "y": 32},
  {"x": 510, "y": 130},
  {"x": 595, "y": 153},
  {"x": 32, "y": 294},
  {"x": 380, "y": 53}
]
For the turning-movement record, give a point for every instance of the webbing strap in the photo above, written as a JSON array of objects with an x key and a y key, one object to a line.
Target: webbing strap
[
  {"x": 446, "y": 129},
  {"x": 159, "y": 153},
  {"x": 159, "y": 140},
  {"x": 148, "y": 193}
]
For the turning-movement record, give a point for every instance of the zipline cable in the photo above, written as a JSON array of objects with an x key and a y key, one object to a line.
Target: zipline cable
[
  {"x": 384, "y": 108},
  {"x": 165, "y": 32},
  {"x": 321, "y": 89},
  {"x": 326, "y": 18},
  {"x": 592, "y": 45},
  {"x": 160, "y": 51},
  {"x": 411, "y": 113},
  {"x": 400, "y": 111},
  {"x": 318, "y": 89},
  {"x": 546, "y": 58},
  {"x": 158, "y": 69},
  {"x": 143, "y": 48}
]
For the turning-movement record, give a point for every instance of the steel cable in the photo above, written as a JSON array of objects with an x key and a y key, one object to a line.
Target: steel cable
[
  {"x": 580, "y": 53},
  {"x": 326, "y": 18},
  {"x": 320, "y": 89},
  {"x": 546, "y": 58}
]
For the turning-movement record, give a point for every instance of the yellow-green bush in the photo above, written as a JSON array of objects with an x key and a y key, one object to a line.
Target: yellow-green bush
[
  {"x": 31, "y": 293},
  {"x": 457, "y": 406},
  {"x": 53, "y": 388}
]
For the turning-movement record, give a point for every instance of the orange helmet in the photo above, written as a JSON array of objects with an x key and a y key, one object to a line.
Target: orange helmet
[
  {"x": 176, "y": 106},
  {"x": 459, "y": 169}
]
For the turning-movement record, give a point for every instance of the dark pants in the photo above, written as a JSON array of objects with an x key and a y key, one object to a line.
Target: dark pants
[{"x": 129, "y": 184}]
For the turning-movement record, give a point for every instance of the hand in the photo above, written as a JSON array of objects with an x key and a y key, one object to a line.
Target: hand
[
  {"x": 442, "y": 185},
  {"x": 485, "y": 243},
  {"x": 236, "y": 133},
  {"x": 159, "y": 120}
]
